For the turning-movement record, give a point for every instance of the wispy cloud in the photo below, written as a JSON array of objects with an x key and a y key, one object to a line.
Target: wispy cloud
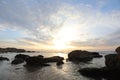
[{"x": 45, "y": 21}]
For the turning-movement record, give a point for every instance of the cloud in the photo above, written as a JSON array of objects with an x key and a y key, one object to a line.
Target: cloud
[
  {"x": 111, "y": 41},
  {"x": 44, "y": 20}
]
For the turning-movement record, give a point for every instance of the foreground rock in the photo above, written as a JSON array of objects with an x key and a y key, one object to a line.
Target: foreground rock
[
  {"x": 112, "y": 61},
  {"x": 41, "y": 61},
  {"x": 110, "y": 72},
  {"x": 83, "y": 56},
  {"x": 100, "y": 73},
  {"x": 4, "y": 58},
  {"x": 20, "y": 58}
]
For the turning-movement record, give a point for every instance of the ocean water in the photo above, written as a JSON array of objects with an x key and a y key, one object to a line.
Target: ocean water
[{"x": 67, "y": 71}]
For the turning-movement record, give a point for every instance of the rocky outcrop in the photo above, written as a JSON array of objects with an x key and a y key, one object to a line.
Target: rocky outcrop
[
  {"x": 4, "y": 58},
  {"x": 5, "y": 50},
  {"x": 112, "y": 61},
  {"x": 19, "y": 58},
  {"x": 110, "y": 72},
  {"x": 17, "y": 61},
  {"x": 22, "y": 56},
  {"x": 53, "y": 59},
  {"x": 84, "y": 56},
  {"x": 118, "y": 50},
  {"x": 100, "y": 73},
  {"x": 35, "y": 61},
  {"x": 41, "y": 61}
]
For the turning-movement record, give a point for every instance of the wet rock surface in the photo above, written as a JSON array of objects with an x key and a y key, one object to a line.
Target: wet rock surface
[{"x": 82, "y": 56}]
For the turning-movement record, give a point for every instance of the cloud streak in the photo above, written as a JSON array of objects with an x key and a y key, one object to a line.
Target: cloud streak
[{"x": 46, "y": 21}]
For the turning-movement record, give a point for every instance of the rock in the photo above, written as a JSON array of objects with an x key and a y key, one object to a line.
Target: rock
[
  {"x": 112, "y": 61},
  {"x": 35, "y": 60},
  {"x": 100, "y": 73},
  {"x": 53, "y": 59},
  {"x": 83, "y": 56},
  {"x": 41, "y": 61},
  {"x": 118, "y": 50},
  {"x": 40, "y": 56},
  {"x": 91, "y": 72},
  {"x": 59, "y": 63},
  {"x": 96, "y": 55},
  {"x": 110, "y": 72},
  {"x": 17, "y": 61},
  {"x": 5, "y": 50},
  {"x": 22, "y": 56},
  {"x": 3, "y": 58}
]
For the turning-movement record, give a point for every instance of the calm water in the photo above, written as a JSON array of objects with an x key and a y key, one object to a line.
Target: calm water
[{"x": 68, "y": 71}]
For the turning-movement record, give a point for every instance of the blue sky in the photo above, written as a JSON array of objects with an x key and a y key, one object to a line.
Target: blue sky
[{"x": 60, "y": 24}]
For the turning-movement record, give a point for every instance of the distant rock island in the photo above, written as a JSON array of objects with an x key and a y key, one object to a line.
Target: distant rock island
[{"x": 6, "y": 50}]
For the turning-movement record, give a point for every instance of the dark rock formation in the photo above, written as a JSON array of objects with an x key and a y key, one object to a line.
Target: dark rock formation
[
  {"x": 5, "y": 50},
  {"x": 118, "y": 50},
  {"x": 53, "y": 59},
  {"x": 35, "y": 61},
  {"x": 84, "y": 56},
  {"x": 3, "y": 58},
  {"x": 100, "y": 73},
  {"x": 17, "y": 61},
  {"x": 112, "y": 61},
  {"x": 41, "y": 61},
  {"x": 96, "y": 55},
  {"x": 22, "y": 56},
  {"x": 110, "y": 72}
]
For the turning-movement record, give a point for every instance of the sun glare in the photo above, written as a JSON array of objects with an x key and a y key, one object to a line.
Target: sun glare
[{"x": 65, "y": 36}]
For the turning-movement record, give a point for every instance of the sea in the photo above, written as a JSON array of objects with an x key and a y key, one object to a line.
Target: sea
[{"x": 67, "y": 71}]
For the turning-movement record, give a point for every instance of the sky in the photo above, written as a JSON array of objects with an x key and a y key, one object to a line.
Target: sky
[{"x": 60, "y": 25}]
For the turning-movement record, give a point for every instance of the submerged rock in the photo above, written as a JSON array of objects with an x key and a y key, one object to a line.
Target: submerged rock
[
  {"x": 3, "y": 58},
  {"x": 83, "y": 56}
]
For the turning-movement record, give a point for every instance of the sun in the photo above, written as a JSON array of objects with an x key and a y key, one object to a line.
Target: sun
[
  {"x": 65, "y": 36},
  {"x": 59, "y": 45}
]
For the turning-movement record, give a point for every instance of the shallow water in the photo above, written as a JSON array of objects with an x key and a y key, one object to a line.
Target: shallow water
[{"x": 67, "y": 71}]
